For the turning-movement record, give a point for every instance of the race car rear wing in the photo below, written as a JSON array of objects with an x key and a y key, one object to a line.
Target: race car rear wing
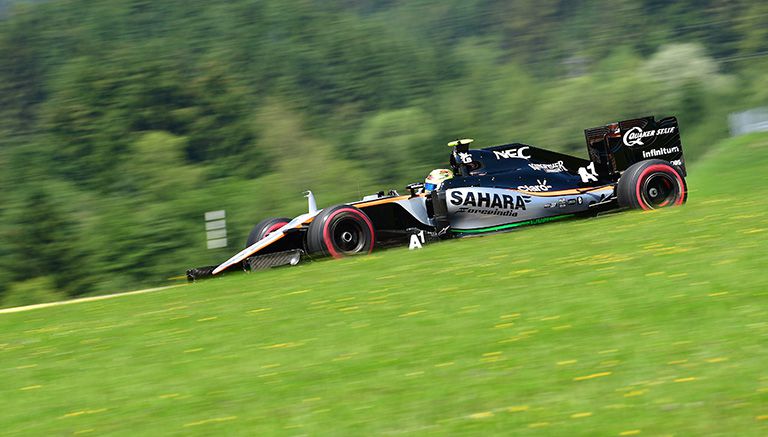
[{"x": 616, "y": 146}]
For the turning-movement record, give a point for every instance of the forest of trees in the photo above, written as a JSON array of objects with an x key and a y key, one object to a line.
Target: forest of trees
[{"x": 123, "y": 121}]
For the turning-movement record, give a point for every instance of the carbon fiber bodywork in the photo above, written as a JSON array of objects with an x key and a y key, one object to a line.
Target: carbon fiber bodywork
[{"x": 288, "y": 257}]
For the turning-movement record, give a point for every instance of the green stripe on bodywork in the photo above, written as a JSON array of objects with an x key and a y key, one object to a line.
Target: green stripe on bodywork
[{"x": 513, "y": 225}]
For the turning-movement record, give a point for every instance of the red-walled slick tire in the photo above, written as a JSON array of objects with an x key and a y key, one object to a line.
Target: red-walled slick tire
[
  {"x": 651, "y": 184},
  {"x": 265, "y": 227},
  {"x": 340, "y": 231}
]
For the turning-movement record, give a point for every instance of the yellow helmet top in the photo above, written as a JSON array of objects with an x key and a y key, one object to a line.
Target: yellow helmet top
[{"x": 436, "y": 177}]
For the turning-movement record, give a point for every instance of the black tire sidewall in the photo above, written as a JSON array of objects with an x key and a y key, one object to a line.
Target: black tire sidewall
[
  {"x": 318, "y": 243},
  {"x": 634, "y": 175},
  {"x": 261, "y": 228}
]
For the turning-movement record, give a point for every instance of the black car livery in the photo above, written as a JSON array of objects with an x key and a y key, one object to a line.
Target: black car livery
[{"x": 635, "y": 163}]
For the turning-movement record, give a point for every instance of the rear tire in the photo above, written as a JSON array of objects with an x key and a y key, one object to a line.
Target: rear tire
[
  {"x": 651, "y": 184},
  {"x": 340, "y": 231},
  {"x": 264, "y": 228}
]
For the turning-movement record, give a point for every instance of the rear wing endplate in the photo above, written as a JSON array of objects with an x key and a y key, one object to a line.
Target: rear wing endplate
[{"x": 616, "y": 146}]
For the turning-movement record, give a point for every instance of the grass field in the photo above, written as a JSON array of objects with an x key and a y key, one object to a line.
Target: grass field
[{"x": 630, "y": 324}]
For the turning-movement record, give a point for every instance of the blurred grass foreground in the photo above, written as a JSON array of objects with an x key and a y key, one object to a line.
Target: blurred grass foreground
[{"x": 630, "y": 324}]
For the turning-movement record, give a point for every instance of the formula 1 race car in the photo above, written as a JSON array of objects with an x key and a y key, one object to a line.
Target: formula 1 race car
[{"x": 634, "y": 164}]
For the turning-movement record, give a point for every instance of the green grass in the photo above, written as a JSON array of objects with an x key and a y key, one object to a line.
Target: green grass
[{"x": 635, "y": 323}]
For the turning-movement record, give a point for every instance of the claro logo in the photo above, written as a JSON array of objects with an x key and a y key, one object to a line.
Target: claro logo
[{"x": 634, "y": 136}]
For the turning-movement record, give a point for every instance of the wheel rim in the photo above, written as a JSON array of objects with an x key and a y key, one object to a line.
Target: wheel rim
[
  {"x": 659, "y": 190},
  {"x": 348, "y": 236}
]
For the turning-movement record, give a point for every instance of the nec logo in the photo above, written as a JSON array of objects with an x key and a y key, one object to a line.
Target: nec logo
[{"x": 512, "y": 153}]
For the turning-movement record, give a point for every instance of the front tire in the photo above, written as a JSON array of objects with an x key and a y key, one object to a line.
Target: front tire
[
  {"x": 651, "y": 184},
  {"x": 264, "y": 228},
  {"x": 340, "y": 231}
]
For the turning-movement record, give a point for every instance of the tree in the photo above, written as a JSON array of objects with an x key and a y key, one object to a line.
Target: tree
[
  {"x": 391, "y": 143},
  {"x": 45, "y": 242},
  {"x": 30, "y": 292},
  {"x": 157, "y": 168}
]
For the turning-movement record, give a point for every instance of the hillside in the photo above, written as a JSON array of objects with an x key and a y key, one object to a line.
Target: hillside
[
  {"x": 635, "y": 323},
  {"x": 123, "y": 122}
]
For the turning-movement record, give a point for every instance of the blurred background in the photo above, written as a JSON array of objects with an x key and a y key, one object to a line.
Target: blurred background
[{"x": 123, "y": 121}]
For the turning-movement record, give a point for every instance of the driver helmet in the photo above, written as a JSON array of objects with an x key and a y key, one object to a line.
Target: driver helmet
[{"x": 435, "y": 178}]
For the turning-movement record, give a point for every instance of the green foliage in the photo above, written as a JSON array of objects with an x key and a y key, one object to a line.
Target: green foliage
[
  {"x": 131, "y": 119},
  {"x": 31, "y": 292},
  {"x": 43, "y": 241},
  {"x": 393, "y": 142},
  {"x": 157, "y": 167}
]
